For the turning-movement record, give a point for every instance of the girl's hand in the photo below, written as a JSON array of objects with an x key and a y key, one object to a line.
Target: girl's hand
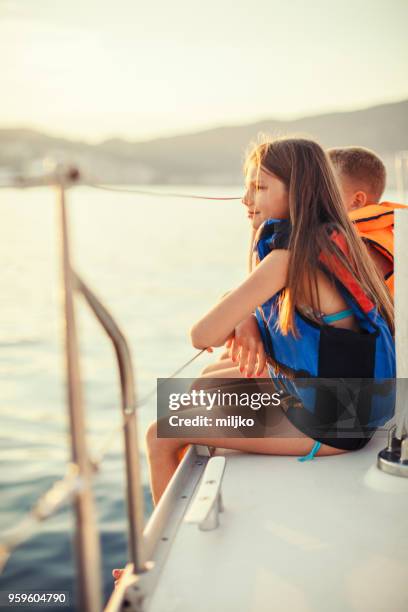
[{"x": 246, "y": 347}]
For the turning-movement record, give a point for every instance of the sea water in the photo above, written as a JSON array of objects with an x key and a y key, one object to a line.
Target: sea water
[{"x": 158, "y": 264}]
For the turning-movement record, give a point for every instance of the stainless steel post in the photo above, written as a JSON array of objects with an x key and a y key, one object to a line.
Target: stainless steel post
[
  {"x": 394, "y": 458},
  {"x": 86, "y": 536},
  {"x": 133, "y": 472}
]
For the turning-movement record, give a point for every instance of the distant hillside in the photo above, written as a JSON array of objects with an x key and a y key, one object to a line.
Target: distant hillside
[{"x": 212, "y": 156}]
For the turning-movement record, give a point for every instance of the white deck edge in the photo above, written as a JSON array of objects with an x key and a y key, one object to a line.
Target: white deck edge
[{"x": 159, "y": 532}]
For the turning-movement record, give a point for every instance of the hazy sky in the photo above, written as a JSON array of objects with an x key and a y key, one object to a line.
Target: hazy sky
[{"x": 94, "y": 69}]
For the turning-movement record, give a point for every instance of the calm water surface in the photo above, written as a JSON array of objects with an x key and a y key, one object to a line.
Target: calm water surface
[{"x": 158, "y": 264}]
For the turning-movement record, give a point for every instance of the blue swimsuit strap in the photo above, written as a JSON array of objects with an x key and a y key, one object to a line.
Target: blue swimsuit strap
[
  {"x": 312, "y": 453},
  {"x": 337, "y": 316}
]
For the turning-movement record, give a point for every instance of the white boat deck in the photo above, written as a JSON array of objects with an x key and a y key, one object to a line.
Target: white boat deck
[{"x": 325, "y": 535}]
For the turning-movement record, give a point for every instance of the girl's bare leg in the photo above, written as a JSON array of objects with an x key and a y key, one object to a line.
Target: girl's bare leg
[
  {"x": 223, "y": 363},
  {"x": 162, "y": 452},
  {"x": 227, "y": 370},
  {"x": 222, "y": 369}
]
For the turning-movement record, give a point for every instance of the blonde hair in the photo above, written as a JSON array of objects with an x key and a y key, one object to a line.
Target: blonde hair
[{"x": 363, "y": 167}]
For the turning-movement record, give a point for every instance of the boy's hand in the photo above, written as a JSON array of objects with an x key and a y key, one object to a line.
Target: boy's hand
[{"x": 246, "y": 347}]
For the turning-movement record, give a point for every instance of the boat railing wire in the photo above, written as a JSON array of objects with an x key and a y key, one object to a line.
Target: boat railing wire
[
  {"x": 78, "y": 180},
  {"x": 62, "y": 491}
]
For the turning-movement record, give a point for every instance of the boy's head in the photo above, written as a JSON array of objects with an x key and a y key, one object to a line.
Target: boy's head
[{"x": 361, "y": 174}]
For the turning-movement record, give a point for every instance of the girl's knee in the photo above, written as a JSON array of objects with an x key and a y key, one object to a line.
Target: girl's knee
[{"x": 151, "y": 434}]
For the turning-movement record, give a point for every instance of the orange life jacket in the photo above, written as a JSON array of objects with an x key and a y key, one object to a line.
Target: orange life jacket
[{"x": 375, "y": 224}]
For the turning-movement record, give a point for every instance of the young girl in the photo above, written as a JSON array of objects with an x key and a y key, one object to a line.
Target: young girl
[{"x": 322, "y": 309}]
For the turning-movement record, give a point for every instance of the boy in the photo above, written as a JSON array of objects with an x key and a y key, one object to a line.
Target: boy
[{"x": 362, "y": 175}]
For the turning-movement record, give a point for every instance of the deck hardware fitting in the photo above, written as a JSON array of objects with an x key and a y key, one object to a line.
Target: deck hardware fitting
[
  {"x": 394, "y": 459},
  {"x": 207, "y": 505}
]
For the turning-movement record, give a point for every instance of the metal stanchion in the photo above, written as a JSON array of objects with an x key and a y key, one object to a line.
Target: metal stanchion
[{"x": 86, "y": 535}]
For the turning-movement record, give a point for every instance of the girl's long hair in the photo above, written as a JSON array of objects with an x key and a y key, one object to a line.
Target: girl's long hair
[{"x": 316, "y": 210}]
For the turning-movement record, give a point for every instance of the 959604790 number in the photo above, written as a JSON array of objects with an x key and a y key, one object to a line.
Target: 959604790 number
[{"x": 33, "y": 598}]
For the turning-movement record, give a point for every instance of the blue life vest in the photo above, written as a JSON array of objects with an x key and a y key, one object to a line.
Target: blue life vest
[{"x": 338, "y": 376}]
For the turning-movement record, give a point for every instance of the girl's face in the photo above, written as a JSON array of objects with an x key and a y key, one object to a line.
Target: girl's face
[{"x": 265, "y": 197}]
